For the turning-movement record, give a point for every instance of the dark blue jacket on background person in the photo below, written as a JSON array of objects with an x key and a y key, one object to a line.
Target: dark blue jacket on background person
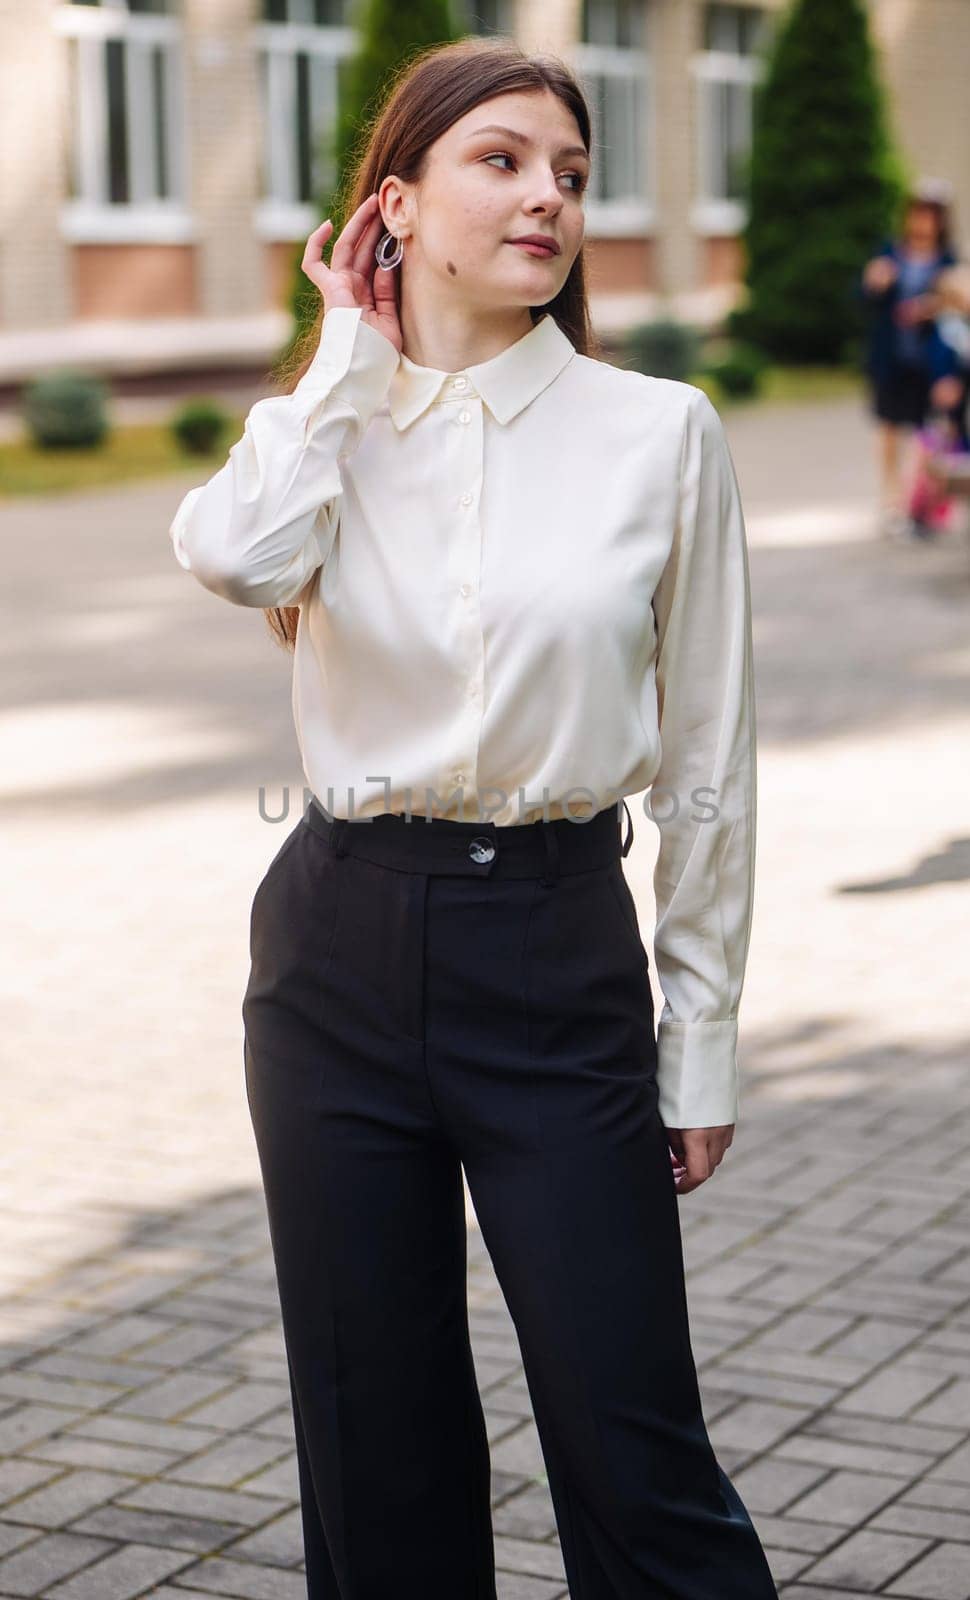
[{"x": 881, "y": 342}]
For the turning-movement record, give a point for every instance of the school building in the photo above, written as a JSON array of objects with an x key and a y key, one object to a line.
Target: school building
[{"x": 158, "y": 158}]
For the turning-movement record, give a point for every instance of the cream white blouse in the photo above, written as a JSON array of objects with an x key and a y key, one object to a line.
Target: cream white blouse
[{"x": 523, "y": 592}]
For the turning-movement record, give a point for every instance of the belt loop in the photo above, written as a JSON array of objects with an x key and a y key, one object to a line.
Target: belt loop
[
  {"x": 625, "y": 846},
  {"x": 551, "y": 842},
  {"x": 338, "y": 831}
]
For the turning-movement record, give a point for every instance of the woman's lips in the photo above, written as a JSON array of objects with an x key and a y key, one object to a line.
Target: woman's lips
[{"x": 532, "y": 249}]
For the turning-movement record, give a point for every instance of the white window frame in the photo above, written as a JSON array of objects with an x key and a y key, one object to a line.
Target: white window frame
[
  {"x": 713, "y": 212},
  {"x": 506, "y": 27},
  {"x": 634, "y": 213},
  {"x": 279, "y": 214},
  {"x": 90, "y": 216}
]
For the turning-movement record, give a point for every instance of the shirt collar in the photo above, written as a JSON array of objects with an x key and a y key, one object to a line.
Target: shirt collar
[{"x": 507, "y": 382}]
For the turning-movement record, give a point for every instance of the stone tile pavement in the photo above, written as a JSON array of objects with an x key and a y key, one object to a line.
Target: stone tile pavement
[{"x": 145, "y": 1434}]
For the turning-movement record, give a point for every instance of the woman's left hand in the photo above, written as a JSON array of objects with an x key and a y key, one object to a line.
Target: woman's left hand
[{"x": 696, "y": 1152}]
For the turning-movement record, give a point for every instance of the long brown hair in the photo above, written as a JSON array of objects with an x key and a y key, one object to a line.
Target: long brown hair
[
  {"x": 940, "y": 211},
  {"x": 432, "y": 89}
]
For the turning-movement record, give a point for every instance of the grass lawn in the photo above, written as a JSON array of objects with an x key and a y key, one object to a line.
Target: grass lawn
[
  {"x": 143, "y": 450},
  {"x": 148, "y": 450},
  {"x": 786, "y": 384}
]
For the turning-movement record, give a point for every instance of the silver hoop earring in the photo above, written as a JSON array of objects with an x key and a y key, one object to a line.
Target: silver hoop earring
[{"x": 390, "y": 261}]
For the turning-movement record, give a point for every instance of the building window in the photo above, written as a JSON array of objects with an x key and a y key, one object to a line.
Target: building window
[
  {"x": 485, "y": 16},
  {"x": 299, "y": 47},
  {"x": 613, "y": 63},
  {"x": 313, "y": 13},
  {"x": 737, "y": 30},
  {"x": 725, "y": 72},
  {"x": 122, "y": 140},
  {"x": 144, "y": 7}
]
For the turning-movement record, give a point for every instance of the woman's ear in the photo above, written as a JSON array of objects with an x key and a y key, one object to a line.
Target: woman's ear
[{"x": 394, "y": 199}]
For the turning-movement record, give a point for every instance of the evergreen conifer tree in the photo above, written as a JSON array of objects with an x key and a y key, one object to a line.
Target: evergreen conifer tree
[{"x": 825, "y": 183}]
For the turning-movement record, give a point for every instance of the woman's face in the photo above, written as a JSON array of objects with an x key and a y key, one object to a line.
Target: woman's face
[
  {"x": 922, "y": 228},
  {"x": 513, "y": 165}
]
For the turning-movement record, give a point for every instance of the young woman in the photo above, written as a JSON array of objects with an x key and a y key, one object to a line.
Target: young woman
[
  {"x": 516, "y": 580},
  {"x": 904, "y": 355}
]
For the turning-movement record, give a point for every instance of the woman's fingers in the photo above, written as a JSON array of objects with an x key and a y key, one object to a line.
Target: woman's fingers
[
  {"x": 696, "y": 1153},
  {"x": 385, "y": 292},
  {"x": 353, "y": 277},
  {"x": 345, "y": 249},
  {"x": 364, "y": 263},
  {"x": 313, "y": 254},
  {"x": 352, "y": 266}
]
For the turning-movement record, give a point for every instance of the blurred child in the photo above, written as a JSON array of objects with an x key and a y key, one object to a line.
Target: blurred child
[
  {"x": 931, "y": 507},
  {"x": 949, "y": 469}
]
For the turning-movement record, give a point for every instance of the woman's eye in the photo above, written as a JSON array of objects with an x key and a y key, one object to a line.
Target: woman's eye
[{"x": 504, "y": 155}]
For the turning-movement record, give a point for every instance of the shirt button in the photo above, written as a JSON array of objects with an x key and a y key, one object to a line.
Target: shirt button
[
  {"x": 459, "y": 383},
  {"x": 465, "y": 590},
  {"x": 464, "y": 416},
  {"x": 467, "y": 499},
  {"x": 459, "y": 777}
]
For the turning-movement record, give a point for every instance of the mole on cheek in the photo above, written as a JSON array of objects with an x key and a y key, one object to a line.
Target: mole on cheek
[{"x": 452, "y": 268}]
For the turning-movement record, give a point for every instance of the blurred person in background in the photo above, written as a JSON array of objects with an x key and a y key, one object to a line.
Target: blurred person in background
[{"x": 905, "y": 355}]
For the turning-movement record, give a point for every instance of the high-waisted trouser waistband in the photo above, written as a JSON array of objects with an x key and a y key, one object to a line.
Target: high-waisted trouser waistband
[{"x": 447, "y": 847}]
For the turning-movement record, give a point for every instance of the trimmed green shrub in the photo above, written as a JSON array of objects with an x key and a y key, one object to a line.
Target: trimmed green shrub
[
  {"x": 199, "y": 425},
  {"x": 65, "y": 410},
  {"x": 739, "y": 368},
  {"x": 663, "y": 349}
]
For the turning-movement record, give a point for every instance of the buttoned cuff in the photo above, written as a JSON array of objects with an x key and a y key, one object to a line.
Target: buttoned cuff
[
  {"x": 697, "y": 1073},
  {"x": 352, "y": 361}
]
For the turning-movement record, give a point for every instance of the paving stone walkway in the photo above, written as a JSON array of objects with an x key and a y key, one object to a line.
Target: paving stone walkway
[{"x": 145, "y": 1434}]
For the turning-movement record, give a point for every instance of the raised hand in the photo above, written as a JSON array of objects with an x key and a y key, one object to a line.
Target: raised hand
[{"x": 353, "y": 277}]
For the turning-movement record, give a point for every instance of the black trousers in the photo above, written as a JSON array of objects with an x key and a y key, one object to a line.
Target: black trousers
[{"x": 426, "y": 995}]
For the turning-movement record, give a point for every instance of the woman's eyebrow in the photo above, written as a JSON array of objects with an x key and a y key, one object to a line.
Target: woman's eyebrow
[{"x": 523, "y": 138}]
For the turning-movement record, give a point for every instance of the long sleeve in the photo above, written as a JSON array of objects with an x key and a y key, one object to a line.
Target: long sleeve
[
  {"x": 704, "y": 795},
  {"x": 263, "y": 524}
]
